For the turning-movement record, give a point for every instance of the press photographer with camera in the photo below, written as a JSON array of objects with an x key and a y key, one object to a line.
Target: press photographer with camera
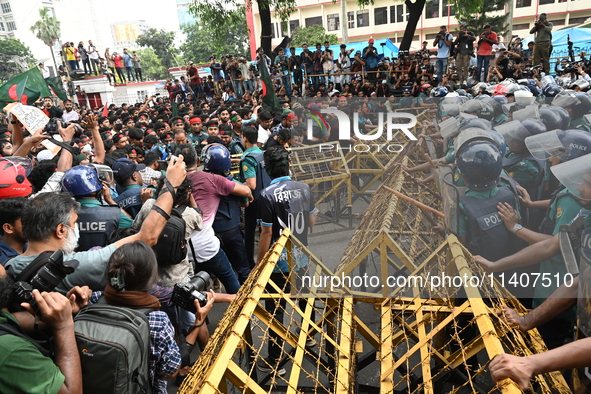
[
  {"x": 442, "y": 41},
  {"x": 464, "y": 44},
  {"x": 487, "y": 39},
  {"x": 26, "y": 367},
  {"x": 543, "y": 40}
]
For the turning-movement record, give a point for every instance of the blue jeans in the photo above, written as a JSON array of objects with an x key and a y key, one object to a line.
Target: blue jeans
[
  {"x": 286, "y": 79},
  {"x": 441, "y": 65},
  {"x": 182, "y": 320},
  {"x": 237, "y": 86},
  {"x": 220, "y": 266},
  {"x": 482, "y": 61},
  {"x": 249, "y": 85}
]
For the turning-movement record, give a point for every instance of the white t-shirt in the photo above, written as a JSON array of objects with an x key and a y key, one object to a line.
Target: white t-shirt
[
  {"x": 94, "y": 54},
  {"x": 263, "y": 135}
]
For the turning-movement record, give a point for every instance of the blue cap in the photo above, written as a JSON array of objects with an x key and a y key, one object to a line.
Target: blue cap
[{"x": 124, "y": 168}]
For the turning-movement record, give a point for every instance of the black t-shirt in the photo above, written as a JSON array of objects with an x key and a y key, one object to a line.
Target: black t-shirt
[{"x": 287, "y": 203}]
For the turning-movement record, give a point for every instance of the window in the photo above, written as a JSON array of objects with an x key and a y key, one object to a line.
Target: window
[
  {"x": 350, "y": 20},
  {"x": 293, "y": 25},
  {"x": 284, "y": 31},
  {"x": 273, "y": 35},
  {"x": 333, "y": 22},
  {"x": 381, "y": 16},
  {"x": 444, "y": 7},
  {"x": 576, "y": 21},
  {"x": 558, "y": 22},
  {"x": 6, "y": 8},
  {"x": 521, "y": 26},
  {"x": 2, "y": 26},
  {"x": 414, "y": 38},
  {"x": 432, "y": 9},
  {"x": 317, "y": 20},
  {"x": 430, "y": 37},
  {"x": 542, "y": 2},
  {"x": 11, "y": 26},
  {"x": 363, "y": 18},
  {"x": 522, "y": 3}
]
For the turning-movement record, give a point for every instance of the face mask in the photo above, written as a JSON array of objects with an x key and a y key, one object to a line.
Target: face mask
[{"x": 71, "y": 241}]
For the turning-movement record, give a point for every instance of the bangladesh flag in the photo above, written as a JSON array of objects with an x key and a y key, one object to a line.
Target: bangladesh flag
[
  {"x": 270, "y": 100},
  {"x": 57, "y": 87},
  {"x": 25, "y": 88}
]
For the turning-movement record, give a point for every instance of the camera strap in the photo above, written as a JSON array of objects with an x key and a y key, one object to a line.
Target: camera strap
[
  {"x": 31, "y": 270},
  {"x": 63, "y": 145}
]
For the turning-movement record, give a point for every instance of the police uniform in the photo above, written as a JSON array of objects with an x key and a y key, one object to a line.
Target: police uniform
[
  {"x": 129, "y": 200},
  {"x": 580, "y": 124},
  {"x": 227, "y": 227},
  {"x": 499, "y": 120},
  {"x": 248, "y": 170},
  {"x": 96, "y": 222}
]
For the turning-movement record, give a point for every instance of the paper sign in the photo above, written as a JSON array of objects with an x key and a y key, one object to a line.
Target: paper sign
[
  {"x": 50, "y": 146},
  {"x": 31, "y": 117}
]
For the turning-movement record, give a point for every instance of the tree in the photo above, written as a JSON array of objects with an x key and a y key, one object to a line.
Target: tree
[
  {"x": 15, "y": 58},
  {"x": 312, "y": 35},
  {"x": 152, "y": 67},
  {"x": 497, "y": 21},
  {"x": 162, "y": 44},
  {"x": 47, "y": 29},
  {"x": 203, "y": 41},
  {"x": 224, "y": 13}
]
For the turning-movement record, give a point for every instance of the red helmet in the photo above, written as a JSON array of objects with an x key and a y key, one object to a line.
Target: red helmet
[
  {"x": 13, "y": 180},
  {"x": 425, "y": 87}
]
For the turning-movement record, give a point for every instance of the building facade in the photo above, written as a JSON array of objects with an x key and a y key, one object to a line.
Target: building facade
[
  {"x": 125, "y": 34},
  {"x": 387, "y": 19}
]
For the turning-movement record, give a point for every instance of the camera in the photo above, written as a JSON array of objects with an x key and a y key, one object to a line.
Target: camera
[
  {"x": 185, "y": 294},
  {"x": 47, "y": 278},
  {"x": 52, "y": 127}
]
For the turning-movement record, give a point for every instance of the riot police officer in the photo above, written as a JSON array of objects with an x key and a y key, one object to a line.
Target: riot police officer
[
  {"x": 95, "y": 220},
  {"x": 216, "y": 159},
  {"x": 130, "y": 181},
  {"x": 578, "y": 105}
]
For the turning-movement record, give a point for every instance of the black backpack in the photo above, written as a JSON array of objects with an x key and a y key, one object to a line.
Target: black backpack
[
  {"x": 263, "y": 179},
  {"x": 114, "y": 347},
  {"x": 171, "y": 247}
]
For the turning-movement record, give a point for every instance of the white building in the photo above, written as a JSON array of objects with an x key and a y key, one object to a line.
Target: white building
[
  {"x": 81, "y": 20},
  {"x": 125, "y": 34}
]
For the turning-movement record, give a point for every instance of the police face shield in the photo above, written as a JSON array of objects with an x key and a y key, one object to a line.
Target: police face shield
[
  {"x": 449, "y": 127},
  {"x": 513, "y": 132},
  {"x": 472, "y": 107},
  {"x": 509, "y": 108},
  {"x": 529, "y": 112},
  {"x": 565, "y": 99},
  {"x": 24, "y": 162},
  {"x": 547, "y": 81},
  {"x": 524, "y": 98},
  {"x": 469, "y": 135},
  {"x": 575, "y": 175},
  {"x": 450, "y": 109},
  {"x": 546, "y": 145},
  {"x": 105, "y": 173}
]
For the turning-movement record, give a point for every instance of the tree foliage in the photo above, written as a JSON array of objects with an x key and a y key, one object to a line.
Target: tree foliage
[
  {"x": 483, "y": 16},
  {"x": 312, "y": 35},
  {"x": 47, "y": 29},
  {"x": 203, "y": 41},
  {"x": 152, "y": 67},
  {"x": 15, "y": 47},
  {"x": 162, "y": 44}
]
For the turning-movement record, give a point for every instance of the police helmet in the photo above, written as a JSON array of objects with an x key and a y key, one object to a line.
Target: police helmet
[
  {"x": 13, "y": 180},
  {"x": 480, "y": 164},
  {"x": 479, "y": 88},
  {"x": 482, "y": 96},
  {"x": 552, "y": 120},
  {"x": 494, "y": 103},
  {"x": 439, "y": 91},
  {"x": 480, "y": 108},
  {"x": 461, "y": 92},
  {"x": 475, "y": 122},
  {"x": 581, "y": 83},
  {"x": 524, "y": 97},
  {"x": 473, "y": 134},
  {"x": 583, "y": 107},
  {"x": 534, "y": 126},
  {"x": 216, "y": 157},
  {"x": 576, "y": 142},
  {"x": 566, "y": 98},
  {"x": 81, "y": 181},
  {"x": 552, "y": 90},
  {"x": 563, "y": 113}
]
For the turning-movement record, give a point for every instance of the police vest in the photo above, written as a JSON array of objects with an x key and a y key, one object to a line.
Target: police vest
[
  {"x": 228, "y": 214},
  {"x": 96, "y": 225},
  {"x": 130, "y": 201},
  {"x": 487, "y": 234},
  {"x": 232, "y": 146}
]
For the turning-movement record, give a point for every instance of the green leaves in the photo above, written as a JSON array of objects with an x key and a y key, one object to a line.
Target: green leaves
[
  {"x": 203, "y": 41},
  {"x": 311, "y": 35},
  {"x": 162, "y": 44},
  {"x": 152, "y": 67},
  {"x": 48, "y": 28}
]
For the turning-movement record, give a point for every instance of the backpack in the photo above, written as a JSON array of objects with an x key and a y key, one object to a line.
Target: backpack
[
  {"x": 263, "y": 179},
  {"x": 171, "y": 247},
  {"x": 114, "y": 347}
]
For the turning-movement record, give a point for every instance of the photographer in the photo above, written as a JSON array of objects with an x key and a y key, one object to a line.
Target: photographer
[
  {"x": 426, "y": 71},
  {"x": 487, "y": 39},
  {"x": 464, "y": 43},
  {"x": 370, "y": 56},
  {"x": 543, "y": 39},
  {"x": 50, "y": 109},
  {"x": 26, "y": 367},
  {"x": 527, "y": 55},
  {"x": 443, "y": 42},
  {"x": 295, "y": 67}
]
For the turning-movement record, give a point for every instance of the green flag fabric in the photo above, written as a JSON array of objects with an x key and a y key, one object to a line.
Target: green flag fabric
[
  {"x": 25, "y": 88},
  {"x": 270, "y": 100},
  {"x": 57, "y": 87}
]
